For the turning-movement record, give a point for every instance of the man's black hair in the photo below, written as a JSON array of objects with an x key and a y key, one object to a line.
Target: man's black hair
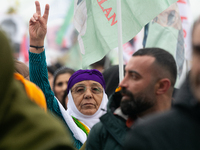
[{"x": 163, "y": 58}]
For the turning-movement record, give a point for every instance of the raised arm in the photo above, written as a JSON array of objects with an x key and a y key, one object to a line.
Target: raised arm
[
  {"x": 37, "y": 59},
  {"x": 38, "y": 28}
]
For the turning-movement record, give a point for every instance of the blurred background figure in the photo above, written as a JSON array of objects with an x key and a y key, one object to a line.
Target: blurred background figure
[
  {"x": 51, "y": 70},
  {"x": 111, "y": 77},
  {"x": 58, "y": 76},
  {"x": 21, "y": 73},
  {"x": 102, "y": 64},
  {"x": 22, "y": 69},
  {"x": 61, "y": 78}
]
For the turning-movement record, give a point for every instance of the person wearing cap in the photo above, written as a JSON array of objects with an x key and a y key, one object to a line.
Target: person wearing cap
[{"x": 86, "y": 88}]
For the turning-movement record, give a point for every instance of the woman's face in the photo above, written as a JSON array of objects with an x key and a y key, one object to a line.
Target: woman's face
[
  {"x": 87, "y": 96},
  {"x": 61, "y": 85}
]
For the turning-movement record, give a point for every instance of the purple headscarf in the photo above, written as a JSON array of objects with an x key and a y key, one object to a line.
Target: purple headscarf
[{"x": 87, "y": 74}]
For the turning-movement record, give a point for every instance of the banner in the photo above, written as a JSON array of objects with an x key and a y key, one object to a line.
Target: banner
[{"x": 96, "y": 22}]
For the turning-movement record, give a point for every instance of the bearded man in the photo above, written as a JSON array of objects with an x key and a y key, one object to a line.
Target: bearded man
[{"x": 147, "y": 88}]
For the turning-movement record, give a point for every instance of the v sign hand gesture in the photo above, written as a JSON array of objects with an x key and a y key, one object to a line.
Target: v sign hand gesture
[{"x": 38, "y": 27}]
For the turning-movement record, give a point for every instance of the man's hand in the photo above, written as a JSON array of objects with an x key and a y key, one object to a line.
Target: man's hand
[{"x": 38, "y": 26}]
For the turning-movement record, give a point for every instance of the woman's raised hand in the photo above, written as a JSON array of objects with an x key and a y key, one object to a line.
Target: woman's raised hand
[{"x": 38, "y": 26}]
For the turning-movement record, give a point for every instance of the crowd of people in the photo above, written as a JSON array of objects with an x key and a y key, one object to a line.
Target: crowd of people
[{"x": 56, "y": 107}]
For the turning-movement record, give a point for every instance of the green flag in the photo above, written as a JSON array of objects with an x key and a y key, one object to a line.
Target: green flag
[
  {"x": 96, "y": 22},
  {"x": 62, "y": 31}
]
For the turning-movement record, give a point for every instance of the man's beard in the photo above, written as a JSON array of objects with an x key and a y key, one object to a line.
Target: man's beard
[{"x": 134, "y": 105}]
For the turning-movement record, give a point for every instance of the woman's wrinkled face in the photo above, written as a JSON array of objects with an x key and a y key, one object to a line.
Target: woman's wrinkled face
[
  {"x": 87, "y": 96},
  {"x": 61, "y": 85}
]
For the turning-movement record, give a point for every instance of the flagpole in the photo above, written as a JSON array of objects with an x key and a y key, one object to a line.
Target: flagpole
[{"x": 120, "y": 48}]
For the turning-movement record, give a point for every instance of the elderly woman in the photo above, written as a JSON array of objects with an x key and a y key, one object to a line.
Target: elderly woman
[
  {"x": 86, "y": 88},
  {"x": 87, "y": 102}
]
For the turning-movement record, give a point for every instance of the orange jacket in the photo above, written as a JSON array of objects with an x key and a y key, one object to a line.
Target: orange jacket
[{"x": 33, "y": 91}]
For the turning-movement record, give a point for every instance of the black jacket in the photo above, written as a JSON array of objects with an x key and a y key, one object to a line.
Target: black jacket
[
  {"x": 110, "y": 132},
  {"x": 177, "y": 129}
]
